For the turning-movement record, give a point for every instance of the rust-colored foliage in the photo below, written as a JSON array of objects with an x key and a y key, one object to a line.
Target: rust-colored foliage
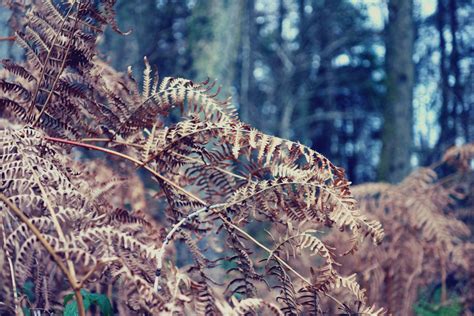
[
  {"x": 425, "y": 242},
  {"x": 72, "y": 221}
]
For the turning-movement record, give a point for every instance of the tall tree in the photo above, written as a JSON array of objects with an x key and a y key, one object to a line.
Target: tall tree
[
  {"x": 446, "y": 116},
  {"x": 214, "y": 34},
  {"x": 158, "y": 30},
  {"x": 454, "y": 114},
  {"x": 339, "y": 109},
  {"x": 397, "y": 135},
  {"x": 247, "y": 60}
]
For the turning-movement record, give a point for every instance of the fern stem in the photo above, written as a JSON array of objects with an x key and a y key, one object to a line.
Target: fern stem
[
  {"x": 14, "y": 288},
  {"x": 7, "y": 38},
  {"x": 269, "y": 251},
  {"x": 211, "y": 166},
  {"x": 207, "y": 129},
  {"x": 10, "y": 265},
  {"x": 43, "y": 71},
  {"x": 50, "y": 250},
  {"x": 283, "y": 262},
  {"x": 99, "y": 264},
  {"x": 169, "y": 237},
  {"x": 189, "y": 194},
  {"x": 129, "y": 158},
  {"x": 54, "y": 217},
  {"x": 108, "y": 140}
]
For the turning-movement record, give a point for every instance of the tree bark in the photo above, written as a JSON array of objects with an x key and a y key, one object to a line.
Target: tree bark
[
  {"x": 247, "y": 57},
  {"x": 215, "y": 41},
  {"x": 446, "y": 119},
  {"x": 458, "y": 103},
  {"x": 397, "y": 135}
]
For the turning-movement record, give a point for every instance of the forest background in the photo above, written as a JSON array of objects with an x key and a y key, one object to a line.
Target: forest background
[{"x": 320, "y": 72}]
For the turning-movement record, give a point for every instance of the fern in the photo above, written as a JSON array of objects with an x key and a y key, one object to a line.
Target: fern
[
  {"x": 218, "y": 181},
  {"x": 424, "y": 241}
]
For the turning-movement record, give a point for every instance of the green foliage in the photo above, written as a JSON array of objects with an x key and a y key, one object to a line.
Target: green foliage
[
  {"x": 26, "y": 311},
  {"x": 29, "y": 290},
  {"x": 100, "y": 300},
  {"x": 427, "y": 306}
]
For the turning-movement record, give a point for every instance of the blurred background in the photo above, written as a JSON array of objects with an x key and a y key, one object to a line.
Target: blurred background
[{"x": 378, "y": 86}]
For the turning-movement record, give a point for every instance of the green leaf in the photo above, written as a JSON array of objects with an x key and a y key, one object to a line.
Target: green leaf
[
  {"x": 84, "y": 292},
  {"x": 28, "y": 290},
  {"x": 71, "y": 308},
  {"x": 100, "y": 300},
  {"x": 67, "y": 298},
  {"x": 433, "y": 306},
  {"x": 103, "y": 302},
  {"x": 26, "y": 311}
]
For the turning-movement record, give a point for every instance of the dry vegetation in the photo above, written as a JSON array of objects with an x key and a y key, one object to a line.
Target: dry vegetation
[{"x": 271, "y": 226}]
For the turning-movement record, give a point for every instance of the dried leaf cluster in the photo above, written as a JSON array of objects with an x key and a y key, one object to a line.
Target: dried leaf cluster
[
  {"x": 250, "y": 210},
  {"x": 425, "y": 239}
]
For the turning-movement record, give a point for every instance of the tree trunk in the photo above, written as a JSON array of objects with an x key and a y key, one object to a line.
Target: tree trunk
[
  {"x": 460, "y": 112},
  {"x": 214, "y": 40},
  {"x": 398, "y": 112},
  {"x": 247, "y": 57},
  {"x": 446, "y": 118},
  {"x": 283, "y": 95}
]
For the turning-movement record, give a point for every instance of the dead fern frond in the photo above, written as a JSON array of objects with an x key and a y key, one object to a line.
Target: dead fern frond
[
  {"x": 460, "y": 156},
  {"x": 422, "y": 237},
  {"x": 219, "y": 181}
]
